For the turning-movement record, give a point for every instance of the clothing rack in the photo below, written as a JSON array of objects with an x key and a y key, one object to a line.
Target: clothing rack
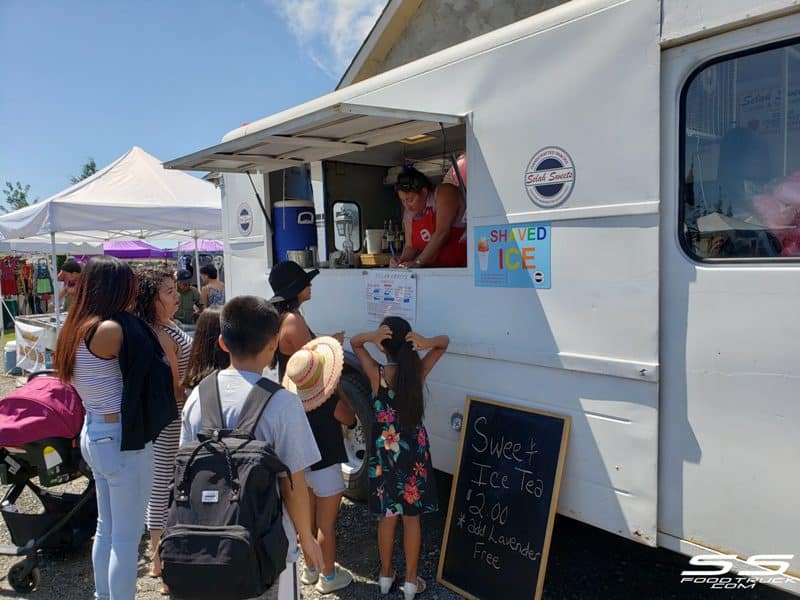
[{"x": 29, "y": 294}]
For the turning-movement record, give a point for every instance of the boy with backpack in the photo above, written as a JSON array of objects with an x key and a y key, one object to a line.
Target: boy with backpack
[{"x": 249, "y": 333}]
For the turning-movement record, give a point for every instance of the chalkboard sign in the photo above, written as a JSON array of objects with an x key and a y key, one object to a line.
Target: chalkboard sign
[{"x": 503, "y": 501}]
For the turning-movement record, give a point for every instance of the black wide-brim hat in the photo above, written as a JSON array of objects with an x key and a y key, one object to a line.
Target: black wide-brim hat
[{"x": 287, "y": 279}]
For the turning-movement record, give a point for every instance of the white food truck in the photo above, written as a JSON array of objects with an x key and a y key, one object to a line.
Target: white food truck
[{"x": 653, "y": 149}]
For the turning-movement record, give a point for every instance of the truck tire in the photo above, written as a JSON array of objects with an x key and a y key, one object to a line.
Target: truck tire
[{"x": 356, "y": 440}]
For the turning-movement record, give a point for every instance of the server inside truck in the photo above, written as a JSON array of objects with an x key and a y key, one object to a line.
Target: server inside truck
[
  {"x": 399, "y": 204},
  {"x": 434, "y": 222}
]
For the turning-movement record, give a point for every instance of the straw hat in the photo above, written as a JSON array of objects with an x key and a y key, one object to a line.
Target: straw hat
[{"x": 313, "y": 371}]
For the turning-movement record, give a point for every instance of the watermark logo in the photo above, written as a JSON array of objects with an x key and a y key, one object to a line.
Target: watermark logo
[
  {"x": 716, "y": 574},
  {"x": 550, "y": 177}
]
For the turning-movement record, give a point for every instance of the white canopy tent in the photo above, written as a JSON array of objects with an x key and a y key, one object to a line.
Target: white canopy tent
[
  {"x": 43, "y": 245},
  {"x": 133, "y": 197}
]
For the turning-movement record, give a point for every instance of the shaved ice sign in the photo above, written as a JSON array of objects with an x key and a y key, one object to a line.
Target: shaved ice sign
[{"x": 512, "y": 255}]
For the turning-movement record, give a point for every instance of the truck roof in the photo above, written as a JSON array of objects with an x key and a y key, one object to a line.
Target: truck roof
[{"x": 680, "y": 22}]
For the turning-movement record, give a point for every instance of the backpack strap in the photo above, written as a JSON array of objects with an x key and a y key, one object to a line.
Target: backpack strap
[
  {"x": 255, "y": 404},
  {"x": 210, "y": 404}
]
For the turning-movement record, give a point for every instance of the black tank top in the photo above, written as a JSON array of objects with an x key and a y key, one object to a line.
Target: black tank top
[{"x": 326, "y": 429}]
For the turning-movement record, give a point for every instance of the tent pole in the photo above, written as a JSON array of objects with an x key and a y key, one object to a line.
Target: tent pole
[
  {"x": 54, "y": 275},
  {"x": 196, "y": 261}
]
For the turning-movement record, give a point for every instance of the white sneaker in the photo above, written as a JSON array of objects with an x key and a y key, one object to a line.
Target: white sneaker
[
  {"x": 410, "y": 590},
  {"x": 309, "y": 576},
  {"x": 341, "y": 579},
  {"x": 386, "y": 583}
]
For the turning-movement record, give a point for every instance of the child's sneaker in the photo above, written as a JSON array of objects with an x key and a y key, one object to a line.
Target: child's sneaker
[
  {"x": 410, "y": 590},
  {"x": 309, "y": 576},
  {"x": 341, "y": 579},
  {"x": 386, "y": 583}
]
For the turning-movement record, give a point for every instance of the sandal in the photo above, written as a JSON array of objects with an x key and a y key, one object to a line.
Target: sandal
[
  {"x": 164, "y": 590},
  {"x": 386, "y": 583},
  {"x": 410, "y": 590},
  {"x": 153, "y": 573}
]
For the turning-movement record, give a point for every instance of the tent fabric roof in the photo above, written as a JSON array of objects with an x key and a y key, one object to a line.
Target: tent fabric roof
[
  {"x": 132, "y": 197},
  {"x": 202, "y": 246},
  {"x": 134, "y": 249},
  {"x": 42, "y": 245}
]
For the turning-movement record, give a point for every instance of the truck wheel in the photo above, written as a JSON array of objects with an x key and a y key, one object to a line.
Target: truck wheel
[{"x": 356, "y": 440}]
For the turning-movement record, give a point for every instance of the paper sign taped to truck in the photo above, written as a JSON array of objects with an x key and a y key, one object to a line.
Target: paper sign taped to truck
[
  {"x": 513, "y": 255},
  {"x": 391, "y": 293}
]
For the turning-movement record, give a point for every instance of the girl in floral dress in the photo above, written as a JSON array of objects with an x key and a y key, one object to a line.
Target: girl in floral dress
[{"x": 400, "y": 472}]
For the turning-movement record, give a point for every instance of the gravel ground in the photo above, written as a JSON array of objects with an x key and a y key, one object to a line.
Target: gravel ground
[{"x": 584, "y": 562}]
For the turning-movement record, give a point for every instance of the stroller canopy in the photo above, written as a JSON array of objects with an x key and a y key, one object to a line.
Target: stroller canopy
[{"x": 42, "y": 408}]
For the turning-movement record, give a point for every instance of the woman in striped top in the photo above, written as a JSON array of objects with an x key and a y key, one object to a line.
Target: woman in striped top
[
  {"x": 156, "y": 303},
  {"x": 91, "y": 346}
]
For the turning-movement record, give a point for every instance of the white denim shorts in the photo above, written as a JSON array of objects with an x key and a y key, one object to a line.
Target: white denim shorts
[{"x": 326, "y": 482}]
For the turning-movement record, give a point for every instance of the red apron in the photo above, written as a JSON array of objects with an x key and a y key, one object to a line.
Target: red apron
[{"x": 454, "y": 251}]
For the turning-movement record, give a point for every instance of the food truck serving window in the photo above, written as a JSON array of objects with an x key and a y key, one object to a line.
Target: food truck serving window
[
  {"x": 360, "y": 148},
  {"x": 740, "y": 156}
]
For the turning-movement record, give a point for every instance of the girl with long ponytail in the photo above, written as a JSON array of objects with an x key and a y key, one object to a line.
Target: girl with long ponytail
[{"x": 400, "y": 471}]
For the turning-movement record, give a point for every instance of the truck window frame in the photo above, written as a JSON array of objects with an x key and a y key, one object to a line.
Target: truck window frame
[{"x": 682, "y": 237}]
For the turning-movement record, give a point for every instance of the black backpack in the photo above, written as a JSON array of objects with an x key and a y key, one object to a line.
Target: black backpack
[{"x": 224, "y": 536}]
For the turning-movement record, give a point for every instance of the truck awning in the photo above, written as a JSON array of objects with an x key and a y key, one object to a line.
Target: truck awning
[{"x": 332, "y": 131}]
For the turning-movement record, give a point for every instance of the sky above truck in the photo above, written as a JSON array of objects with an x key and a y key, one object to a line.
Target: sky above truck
[{"x": 92, "y": 79}]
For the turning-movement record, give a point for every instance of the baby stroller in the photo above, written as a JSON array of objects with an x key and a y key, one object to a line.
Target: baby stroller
[{"x": 40, "y": 426}]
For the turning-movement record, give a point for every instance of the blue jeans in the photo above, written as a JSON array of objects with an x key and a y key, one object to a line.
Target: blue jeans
[{"x": 123, "y": 482}]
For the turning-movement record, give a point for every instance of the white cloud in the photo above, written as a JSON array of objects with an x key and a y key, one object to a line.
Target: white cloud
[{"x": 330, "y": 31}]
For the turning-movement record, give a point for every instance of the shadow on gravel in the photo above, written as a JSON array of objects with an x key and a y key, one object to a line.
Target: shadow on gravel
[
  {"x": 64, "y": 577},
  {"x": 584, "y": 562}
]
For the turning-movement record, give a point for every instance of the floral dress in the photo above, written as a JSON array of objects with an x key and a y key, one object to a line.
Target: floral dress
[{"x": 401, "y": 478}]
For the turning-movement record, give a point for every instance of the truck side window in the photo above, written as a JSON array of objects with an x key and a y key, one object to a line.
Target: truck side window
[{"x": 740, "y": 156}]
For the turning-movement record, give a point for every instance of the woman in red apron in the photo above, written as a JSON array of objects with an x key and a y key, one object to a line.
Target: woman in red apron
[{"x": 434, "y": 223}]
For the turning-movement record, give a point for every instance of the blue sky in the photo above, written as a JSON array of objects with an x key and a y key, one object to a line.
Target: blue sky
[{"x": 92, "y": 78}]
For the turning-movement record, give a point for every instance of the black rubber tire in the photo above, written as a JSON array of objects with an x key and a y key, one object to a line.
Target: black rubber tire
[
  {"x": 22, "y": 579},
  {"x": 356, "y": 480}
]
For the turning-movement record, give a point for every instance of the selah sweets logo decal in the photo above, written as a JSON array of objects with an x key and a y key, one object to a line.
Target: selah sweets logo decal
[
  {"x": 244, "y": 218},
  {"x": 550, "y": 177}
]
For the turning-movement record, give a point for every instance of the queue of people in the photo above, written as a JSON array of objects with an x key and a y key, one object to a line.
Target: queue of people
[
  {"x": 134, "y": 369},
  {"x": 297, "y": 355}
]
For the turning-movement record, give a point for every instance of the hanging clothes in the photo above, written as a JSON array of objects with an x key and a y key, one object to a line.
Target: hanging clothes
[
  {"x": 32, "y": 301},
  {"x": 8, "y": 275},
  {"x": 20, "y": 277},
  {"x": 44, "y": 285}
]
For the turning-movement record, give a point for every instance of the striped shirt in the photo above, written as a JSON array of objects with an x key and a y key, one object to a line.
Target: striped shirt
[
  {"x": 166, "y": 444},
  {"x": 184, "y": 343},
  {"x": 98, "y": 381}
]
